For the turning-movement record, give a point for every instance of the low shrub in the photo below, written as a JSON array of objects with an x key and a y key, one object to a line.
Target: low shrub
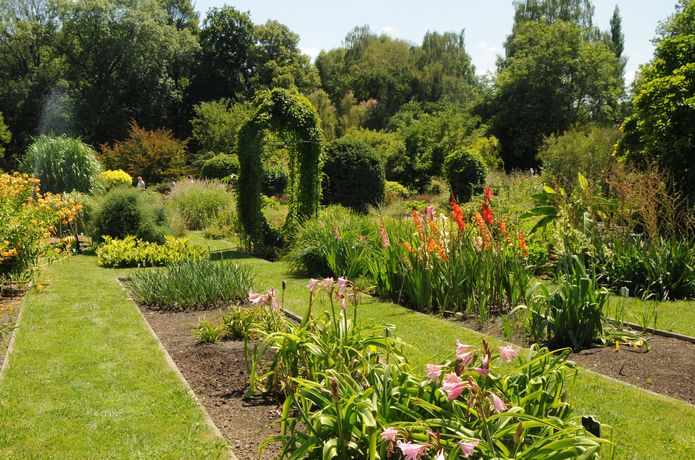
[
  {"x": 116, "y": 178},
  {"x": 353, "y": 175},
  {"x": 129, "y": 211},
  {"x": 192, "y": 284},
  {"x": 336, "y": 243},
  {"x": 63, "y": 164},
  {"x": 220, "y": 166},
  {"x": 156, "y": 156},
  {"x": 28, "y": 219},
  {"x": 131, "y": 252},
  {"x": 200, "y": 202},
  {"x": 465, "y": 171},
  {"x": 394, "y": 191}
]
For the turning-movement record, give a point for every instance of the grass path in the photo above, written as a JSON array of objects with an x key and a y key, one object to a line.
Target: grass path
[
  {"x": 87, "y": 380},
  {"x": 646, "y": 426}
]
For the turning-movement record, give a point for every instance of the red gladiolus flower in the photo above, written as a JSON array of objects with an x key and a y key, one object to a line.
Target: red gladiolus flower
[
  {"x": 487, "y": 195},
  {"x": 487, "y": 214},
  {"x": 458, "y": 215},
  {"x": 522, "y": 245}
]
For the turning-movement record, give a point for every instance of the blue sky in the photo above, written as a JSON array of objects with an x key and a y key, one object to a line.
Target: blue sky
[{"x": 324, "y": 24}]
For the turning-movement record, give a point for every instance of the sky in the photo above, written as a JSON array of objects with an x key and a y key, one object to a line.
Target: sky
[{"x": 323, "y": 24}]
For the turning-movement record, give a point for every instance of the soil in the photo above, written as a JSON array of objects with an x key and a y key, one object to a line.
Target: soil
[
  {"x": 668, "y": 367},
  {"x": 10, "y": 305},
  {"x": 217, "y": 374}
]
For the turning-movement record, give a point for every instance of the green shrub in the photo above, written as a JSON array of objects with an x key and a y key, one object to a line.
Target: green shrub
[
  {"x": 191, "y": 284},
  {"x": 156, "y": 156},
  {"x": 131, "y": 252},
  {"x": 129, "y": 211},
  {"x": 116, "y": 178},
  {"x": 274, "y": 180},
  {"x": 206, "y": 332},
  {"x": 465, "y": 171},
  {"x": 585, "y": 149},
  {"x": 354, "y": 175},
  {"x": 199, "y": 202},
  {"x": 63, "y": 165},
  {"x": 394, "y": 190},
  {"x": 219, "y": 166},
  {"x": 336, "y": 243}
]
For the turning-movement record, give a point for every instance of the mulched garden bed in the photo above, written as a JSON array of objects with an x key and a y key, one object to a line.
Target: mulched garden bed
[
  {"x": 217, "y": 375},
  {"x": 667, "y": 368},
  {"x": 10, "y": 305}
]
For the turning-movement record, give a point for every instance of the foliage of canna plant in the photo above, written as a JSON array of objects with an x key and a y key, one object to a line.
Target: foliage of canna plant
[
  {"x": 478, "y": 404},
  {"x": 433, "y": 263}
]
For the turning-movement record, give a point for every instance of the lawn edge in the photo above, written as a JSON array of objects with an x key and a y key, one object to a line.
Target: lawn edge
[
  {"x": 172, "y": 365},
  {"x": 13, "y": 337}
]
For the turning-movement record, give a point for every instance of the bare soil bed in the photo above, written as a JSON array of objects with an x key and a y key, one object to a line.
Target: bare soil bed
[
  {"x": 217, "y": 374},
  {"x": 667, "y": 368},
  {"x": 10, "y": 305}
]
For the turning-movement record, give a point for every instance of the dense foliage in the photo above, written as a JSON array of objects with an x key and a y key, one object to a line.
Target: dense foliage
[
  {"x": 466, "y": 172},
  {"x": 220, "y": 166},
  {"x": 353, "y": 175},
  {"x": 132, "y": 252},
  {"x": 129, "y": 211},
  {"x": 192, "y": 284},
  {"x": 115, "y": 178},
  {"x": 200, "y": 202},
  {"x": 63, "y": 164},
  {"x": 291, "y": 114},
  {"x": 661, "y": 128},
  {"x": 156, "y": 156}
]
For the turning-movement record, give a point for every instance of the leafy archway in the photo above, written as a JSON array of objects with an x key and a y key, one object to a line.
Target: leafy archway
[{"x": 292, "y": 116}]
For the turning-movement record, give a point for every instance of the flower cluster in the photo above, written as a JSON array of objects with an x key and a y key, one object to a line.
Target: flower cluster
[
  {"x": 342, "y": 289},
  {"x": 265, "y": 300}
]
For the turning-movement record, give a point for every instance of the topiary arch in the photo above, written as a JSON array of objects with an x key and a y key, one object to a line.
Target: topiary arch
[{"x": 291, "y": 115}]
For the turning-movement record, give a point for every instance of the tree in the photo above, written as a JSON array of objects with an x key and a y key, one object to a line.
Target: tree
[
  {"x": 661, "y": 128},
  {"x": 580, "y": 12},
  {"x": 29, "y": 65},
  {"x": 119, "y": 57},
  {"x": 225, "y": 67},
  {"x": 552, "y": 77},
  {"x": 278, "y": 61},
  {"x": 5, "y": 136},
  {"x": 327, "y": 112},
  {"x": 216, "y": 123}
]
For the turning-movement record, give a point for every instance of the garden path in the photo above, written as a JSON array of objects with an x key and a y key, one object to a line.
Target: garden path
[{"x": 87, "y": 380}]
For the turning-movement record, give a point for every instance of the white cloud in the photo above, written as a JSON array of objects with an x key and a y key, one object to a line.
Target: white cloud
[{"x": 312, "y": 52}]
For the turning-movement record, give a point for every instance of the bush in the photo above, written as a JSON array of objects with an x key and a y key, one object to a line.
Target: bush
[
  {"x": 585, "y": 149},
  {"x": 465, "y": 171},
  {"x": 117, "y": 178},
  {"x": 219, "y": 166},
  {"x": 156, "y": 156},
  {"x": 129, "y": 211},
  {"x": 394, "y": 190},
  {"x": 215, "y": 124},
  {"x": 26, "y": 224},
  {"x": 199, "y": 284},
  {"x": 337, "y": 243},
  {"x": 131, "y": 252},
  {"x": 354, "y": 175},
  {"x": 199, "y": 202},
  {"x": 63, "y": 164},
  {"x": 274, "y": 180}
]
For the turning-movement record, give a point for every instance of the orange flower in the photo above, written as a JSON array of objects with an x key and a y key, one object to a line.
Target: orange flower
[
  {"x": 522, "y": 245},
  {"x": 458, "y": 215},
  {"x": 416, "y": 221},
  {"x": 407, "y": 246},
  {"x": 484, "y": 232},
  {"x": 503, "y": 227}
]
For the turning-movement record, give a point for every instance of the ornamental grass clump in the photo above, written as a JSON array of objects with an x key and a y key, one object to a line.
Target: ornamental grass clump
[
  {"x": 198, "y": 285},
  {"x": 200, "y": 202}
]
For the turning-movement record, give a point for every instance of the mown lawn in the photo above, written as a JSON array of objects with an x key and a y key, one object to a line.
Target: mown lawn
[
  {"x": 87, "y": 380},
  {"x": 646, "y": 426}
]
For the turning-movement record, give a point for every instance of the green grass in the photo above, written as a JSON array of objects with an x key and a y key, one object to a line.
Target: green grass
[
  {"x": 87, "y": 380},
  {"x": 646, "y": 426},
  {"x": 676, "y": 316}
]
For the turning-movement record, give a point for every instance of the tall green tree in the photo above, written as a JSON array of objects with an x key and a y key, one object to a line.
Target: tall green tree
[
  {"x": 225, "y": 62},
  {"x": 552, "y": 77},
  {"x": 5, "y": 136},
  {"x": 661, "y": 128},
  {"x": 119, "y": 57},
  {"x": 30, "y": 66}
]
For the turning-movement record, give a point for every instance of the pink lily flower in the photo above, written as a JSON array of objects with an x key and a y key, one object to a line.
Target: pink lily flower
[
  {"x": 255, "y": 299},
  {"x": 462, "y": 348},
  {"x": 497, "y": 402},
  {"x": 389, "y": 434},
  {"x": 313, "y": 285},
  {"x": 485, "y": 369},
  {"x": 328, "y": 283},
  {"x": 434, "y": 371},
  {"x": 467, "y": 448},
  {"x": 411, "y": 451},
  {"x": 342, "y": 283},
  {"x": 465, "y": 358},
  {"x": 508, "y": 353},
  {"x": 440, "y": 455},
  {"x": 453, "y": 386}
]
